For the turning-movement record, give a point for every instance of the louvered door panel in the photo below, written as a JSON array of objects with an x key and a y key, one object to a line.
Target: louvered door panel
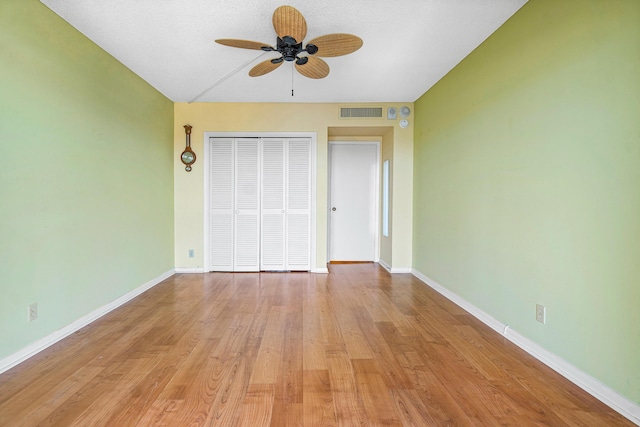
[
  {"x": 221, "y": 203},
  {"x": 298, "y": 209},
  {"x": 246, "y": 242},
  {"x": 247, "y": 203},
  {"x": 298, "y": 241},
  {"x": 272, "y": 253},
  {"x": 272, "y": 250}
]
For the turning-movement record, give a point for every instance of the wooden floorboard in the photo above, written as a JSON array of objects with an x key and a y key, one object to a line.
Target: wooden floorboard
[{"x": 355, "y": 347}]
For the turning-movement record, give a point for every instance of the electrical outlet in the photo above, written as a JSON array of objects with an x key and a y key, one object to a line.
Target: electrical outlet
[
  {"x": 32, "y": 311},
  {"x": 541, "y": 313},
  {"x": 191, "y": 253}
]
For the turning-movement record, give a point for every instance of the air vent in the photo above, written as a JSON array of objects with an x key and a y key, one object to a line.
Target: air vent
[{"x": 359, "y": 113}]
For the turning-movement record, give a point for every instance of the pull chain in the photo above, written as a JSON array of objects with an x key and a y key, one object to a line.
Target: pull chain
[{"x": 292, "y": 78}]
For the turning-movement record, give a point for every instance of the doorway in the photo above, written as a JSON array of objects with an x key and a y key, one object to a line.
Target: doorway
[{"x": 353, "y": 201}]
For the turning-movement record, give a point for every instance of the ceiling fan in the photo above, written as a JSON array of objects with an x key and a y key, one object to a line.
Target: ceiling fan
[{"x": 291, "y": 28}]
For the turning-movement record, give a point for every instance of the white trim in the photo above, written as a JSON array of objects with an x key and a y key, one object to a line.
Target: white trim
[
  {"x": 206, "y": 250},
  {"x": 189, "y": 270},
  {"x": 397, "y": 270},
  {"x": 591, "y": 385},
  {"x": 386, "y": 196},
  {"x": 394, "y": 270},
  {"x": 475, "y": 311},
  {"x": 312, "y": 135},
  {"x": 36, "y": 347},
  {"x": 384, "y": 265},
  {"x": 321, "y": 270}
]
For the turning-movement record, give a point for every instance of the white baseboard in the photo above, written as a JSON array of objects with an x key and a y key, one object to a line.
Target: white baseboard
[
  {"x": 189, "y": 270},
  {"x": 184, "y": 270},
  {"x": 475, "y": 311},
  {"x": 400, "y": 270},
  {"x": 591, "y": 385},
  {"x": 36, "y": 347},
  {"x": 394, "y": 270},
  {"x": 384, "y": 265}
]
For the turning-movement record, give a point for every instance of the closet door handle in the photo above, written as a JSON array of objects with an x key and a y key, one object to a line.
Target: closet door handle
[{"x": 333, "y": 209}]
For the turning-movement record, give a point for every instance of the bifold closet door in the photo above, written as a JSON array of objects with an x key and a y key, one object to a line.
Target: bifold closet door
[
  {"x": 298, "y": 204},
  {"x": 286, "y": 202},
  {"x": 234, "y": 204},
  {"x": 221, "y": 212},
  {"x": 260, "y": 204},
  {"x": 247, "y": 205},
  {"x": 272, "y": 236}
]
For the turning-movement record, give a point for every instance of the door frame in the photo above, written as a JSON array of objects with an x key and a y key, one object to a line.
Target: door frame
[
  {"x": 206, "y": 165},
  {"x": 376, "y": 213}
]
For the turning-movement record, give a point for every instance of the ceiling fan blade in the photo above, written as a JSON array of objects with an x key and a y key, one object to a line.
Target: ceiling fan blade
[
  {"x": 287, "y": 21},
  {"x": 263, "y": 68},
  {"x": 336, "y": 44},
  {"x": 244, "y": 44},
  {"x": 315, "y": 68}
]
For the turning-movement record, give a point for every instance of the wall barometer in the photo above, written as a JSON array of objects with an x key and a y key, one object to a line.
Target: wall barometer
[{"x": 188, "y": 157}]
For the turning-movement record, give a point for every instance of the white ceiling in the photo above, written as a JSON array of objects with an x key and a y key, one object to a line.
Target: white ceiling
[{"x": 408, "y": 45}]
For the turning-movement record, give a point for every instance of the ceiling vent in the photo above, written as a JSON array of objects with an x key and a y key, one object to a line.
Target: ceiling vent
[{"x": 360, "y": 113}]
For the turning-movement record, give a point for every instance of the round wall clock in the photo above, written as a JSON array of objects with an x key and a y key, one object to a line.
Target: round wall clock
[{"x": 188, "y": 157}]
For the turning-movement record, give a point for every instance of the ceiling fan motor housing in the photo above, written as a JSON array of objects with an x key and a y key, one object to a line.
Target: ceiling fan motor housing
[{"x": 290, "y": 48}]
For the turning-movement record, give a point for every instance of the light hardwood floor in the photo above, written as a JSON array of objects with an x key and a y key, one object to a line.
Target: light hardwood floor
[{"x": 356, "y": 347}]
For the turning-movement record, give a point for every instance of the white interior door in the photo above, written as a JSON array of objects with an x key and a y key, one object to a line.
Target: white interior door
[
  {"x": 221, "y": 207},
  {"x": 272, "y": 253},
  {"x": 353, "y": 202},
  {"x": 286, "y": 204},
  {"x": 247, "y": 203},
  {"x": 298, "y": 210}
]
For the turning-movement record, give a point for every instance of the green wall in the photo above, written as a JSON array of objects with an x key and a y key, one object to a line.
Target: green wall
[
  {"x": 527, "y": 182},
  {"x": 86, "y": 176}
]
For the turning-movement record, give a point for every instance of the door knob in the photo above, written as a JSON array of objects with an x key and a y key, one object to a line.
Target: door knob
[{"x": 333, "y": 209}]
